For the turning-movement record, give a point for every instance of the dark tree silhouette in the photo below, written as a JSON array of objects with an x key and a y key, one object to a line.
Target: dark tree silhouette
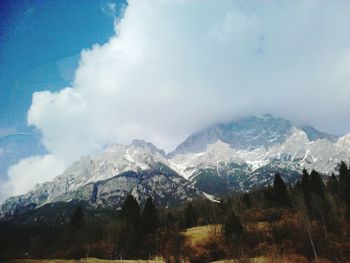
[
  {"x": 344, "y": 186},
  {"x": 280, "y": 193},
  {"x": 130, "y": 211},
  {"x": 150, "y": 219},
  {"x": 317, "y": 185},
  {"x": 333, "y": 185},
  {"x": 232, "y": 229},
  {"x": 190, "y": 216},
  {"x": 305, "y": 185},
  {"x": 170, "y": 220},
  {"x": 130, "y": 232},
  {"x": 77, "y": 219},
  {"x": 247, "y": 200}
]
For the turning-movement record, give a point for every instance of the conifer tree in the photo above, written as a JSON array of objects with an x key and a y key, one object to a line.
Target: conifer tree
[
  {"x": 344, "y": 182},
  {"x": 190, "y": 216},
  {"x": 233, "y": 229},
  {"x": 280, "y": 193},
  {"x": 130, "y": 215},
  {"x": 344, "y": 186},
  {"x": 333, "y": 185},
  {"x": 170, "y": 220},
  {"x": 130, "y": 211},
  {"x": 316, "y": 183},
  {"x": 77, "y": 219},
  {"x": 306, "y": 188},
  {"x": 150, "y": 220},
  {"x": 247, "y": 200},
  {"x": 77, "y": 233}
]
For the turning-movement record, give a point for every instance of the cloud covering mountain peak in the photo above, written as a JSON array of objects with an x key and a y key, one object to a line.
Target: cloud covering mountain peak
[{"x": 175, "y": 67}]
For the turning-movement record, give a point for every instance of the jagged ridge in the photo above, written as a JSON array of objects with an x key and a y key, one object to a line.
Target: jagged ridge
[{"x": 238, "y": 155}]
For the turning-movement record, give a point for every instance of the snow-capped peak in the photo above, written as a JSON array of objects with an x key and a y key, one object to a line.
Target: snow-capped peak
[
  {"x": 241, "y": 155},
  {"x": 344, "y": 142},
  {"x": 296, "y": 152},
  {"x": 116, "y": 159}
]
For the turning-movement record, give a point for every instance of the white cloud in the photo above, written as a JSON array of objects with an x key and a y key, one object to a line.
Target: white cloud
[
  {"x": 37, "y": 169},
  {"x": 174, "y": 67}
]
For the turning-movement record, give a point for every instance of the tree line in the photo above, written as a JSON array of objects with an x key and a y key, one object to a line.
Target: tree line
[{"x": 309, "y": 220}]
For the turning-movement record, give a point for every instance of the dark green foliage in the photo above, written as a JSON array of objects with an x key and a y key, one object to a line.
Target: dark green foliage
[
  {"x": 317, "y": 185},
  {"x": 305, "y": 185},
  {"x": 268, "y": 195},
  {"x": 277, "y": 195},
  {"x": 344, "y": 186},
  {"x": 209, "y": 182},
  {"x": 319, "y": 203},
  {"x": 190, "y": 216},
  {"x": 280, "y": 194},
  {"x": 150, "y": 219},
  {"x": 170, "y": 220},
  {"x": 130, "y": 211},
  {"x": 247, "y": 200},
  {"x": 312, "y": 185},
  {"x": 263, "y": 221},
  {"x": 344, "y": 182},
  {"x": 333, "y": 185},
  {"x": 77, "y": 219},
  {"x": 233, "y": 229},
  {"x": 130, "y": 228}
]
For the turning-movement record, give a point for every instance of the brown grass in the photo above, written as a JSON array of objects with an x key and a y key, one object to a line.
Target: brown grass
[
  {"x": 291, "y": 258},
  {"x": 201, "y": 234},
  {"x": 89, "y": 260}
]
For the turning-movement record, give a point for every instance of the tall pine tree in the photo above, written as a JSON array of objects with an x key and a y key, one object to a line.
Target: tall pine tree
[
  {"x": 130, "y": 211},
  {"x": 130, "y": 233},
  {"x": 305, "y": 185},
  {"x": 344, "y": 186},
  {"x": 190, "y": 216},
  {"x": 77, "y": 219},
  {"x": 280, "y": 193},
  {"x": 233, "y": 230},
  {"x": 317, "y": 185},
  {"x": 150, "y": 219}
]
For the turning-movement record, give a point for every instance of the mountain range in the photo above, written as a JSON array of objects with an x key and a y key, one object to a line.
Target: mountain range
[{"x": 239, "y": 155}]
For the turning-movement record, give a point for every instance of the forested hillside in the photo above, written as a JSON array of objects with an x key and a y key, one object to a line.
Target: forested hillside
[{"x": 308, "y": 221}]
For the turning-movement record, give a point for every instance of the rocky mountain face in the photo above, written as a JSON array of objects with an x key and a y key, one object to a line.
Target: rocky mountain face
[
  {"x": 238, "y": 155},
  {"x": 247, "y": 153},
  {"x": 248, "y": 133},
  {"x": 104, "y": 181}
]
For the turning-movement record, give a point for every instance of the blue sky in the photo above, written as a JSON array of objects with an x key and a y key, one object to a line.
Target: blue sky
[
  {"x": 83, "y": 77},
  {"x": 40, "y": 43}
]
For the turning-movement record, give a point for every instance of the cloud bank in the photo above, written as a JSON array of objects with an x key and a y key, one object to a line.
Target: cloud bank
[
  {"x": 30, "y": 171},
  {"x": 174, "y": 67}
]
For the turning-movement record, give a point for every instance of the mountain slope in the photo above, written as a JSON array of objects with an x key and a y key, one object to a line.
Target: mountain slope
[
  {"x": 247, "y": 133},
  {"x": 247, "y": 153},
  {"x": 139, "y": 168},
  {"x": 240, "y": 155}
]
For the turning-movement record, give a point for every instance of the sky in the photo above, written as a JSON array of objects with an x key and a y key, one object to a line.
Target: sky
[
  {"x": 85, "y": 75},
  {"x": 40, "y": 43}
]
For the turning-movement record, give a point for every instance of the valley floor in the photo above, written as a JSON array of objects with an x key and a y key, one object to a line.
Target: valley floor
[
  {"x": 272, "y": 259},
  {"x": 196, "y": 239},
  {"x": 89, "y": 260}
]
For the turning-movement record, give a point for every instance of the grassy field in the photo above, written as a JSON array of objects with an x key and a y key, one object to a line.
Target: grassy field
[
  {"x": 90, "y": 260},
  {"x": 251, "y": 260},
  {"x": 200, "y": 234},
  {"x": 196, "y": 237}
]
